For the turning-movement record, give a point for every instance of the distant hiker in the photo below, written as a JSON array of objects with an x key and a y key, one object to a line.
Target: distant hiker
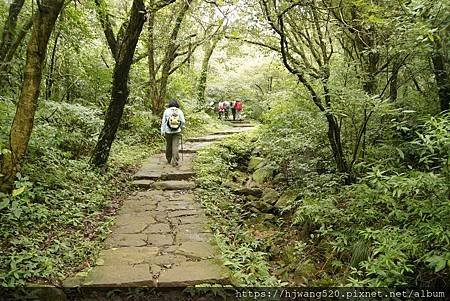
[
  {"x": 221, "y": 109},
  {"x": 226, "y": 107},
  {"x": 233, "y": 110},
  {"x": 171, "y": 125},
  {"x": 238, "y": 108}
]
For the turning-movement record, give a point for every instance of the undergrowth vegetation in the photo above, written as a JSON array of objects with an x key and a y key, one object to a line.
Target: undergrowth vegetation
[
  {"x": 61, "y": 208},
  {"x": 275, "y": 195},
  {"x": 239, "y": 248}
]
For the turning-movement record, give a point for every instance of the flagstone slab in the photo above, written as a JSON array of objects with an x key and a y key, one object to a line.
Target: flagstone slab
[
  {"x": 120, "y": 275},
  {"x": 145, "y": 217},
  {"x": 192, "y": 219},
  {"x": 126, "y": 255},
  {"x": 178, "y": 213},
  {"x": 132, "y": 228},
  {"x": 157, "y": 228},
  {"x": 192, "y": 272},
  {"x": 195, "y": 249},
  {"x": 178, "y": 205},
  {"x": 136, "y": 207},
  {"x": 158, "y": 240},
  {"x": 174, "y": 185},
  {"x": 166, "y": 261},
  {"x": 127, "y": 240},
  {"x": 193, "y": 228},
  {"x": 190, "y": 236}
]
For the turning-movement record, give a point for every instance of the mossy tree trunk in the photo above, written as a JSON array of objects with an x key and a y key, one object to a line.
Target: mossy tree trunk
[
  {"x": 123, "y": 52},
  {"x": 22, "y": 126}
]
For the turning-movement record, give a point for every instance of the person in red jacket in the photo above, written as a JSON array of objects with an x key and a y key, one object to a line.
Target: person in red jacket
[{"x": 238, "y": 108}]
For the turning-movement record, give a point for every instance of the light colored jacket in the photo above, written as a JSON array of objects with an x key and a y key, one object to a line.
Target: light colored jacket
[{"x": 167, "y": 113}]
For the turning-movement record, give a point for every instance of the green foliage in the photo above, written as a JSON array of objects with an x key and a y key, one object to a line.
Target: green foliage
[
  {"x": 432, "y": 145},
  {"x": 292, "y": 139},
  {"x": 71, "y": 128},
  {"x": 401, "y": 215},
  {"x": 47, "y": 227},
  {"x": 241, "y": 252},
  {"x": 138, "y": 126},
  {"x": 390, "y": 227},
  {"x": 57, "y": 215}
]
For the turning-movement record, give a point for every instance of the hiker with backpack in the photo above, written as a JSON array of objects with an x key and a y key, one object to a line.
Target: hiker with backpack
[
  {"x": 233, "y": 110},
  {"x": 238, "y": 108},
  {"x": 171, "y": 125},
  {"x": 226, "y": 107},
  {"x": 221, "y": 109}
]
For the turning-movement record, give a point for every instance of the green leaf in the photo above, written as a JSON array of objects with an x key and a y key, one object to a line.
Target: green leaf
[
  {"x": 18, "y": 191},
  {"x": 17, "y": 212},
  {"x": 438, "y": 262},
  {"x": 4, "y": 204},
  {"x": 440, "y": 265}
]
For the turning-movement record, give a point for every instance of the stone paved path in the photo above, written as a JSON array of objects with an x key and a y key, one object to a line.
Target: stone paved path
[{"x": 159, "y": 237}]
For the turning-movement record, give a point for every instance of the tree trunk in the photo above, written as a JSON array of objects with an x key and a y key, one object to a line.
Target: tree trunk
[
  {"x": 119, "y": 93},
  {"x": 393, "y": 86},
  {"x": 201, "y": 86},
  {"x": 334, "y": 138},
  {"x": 10, "y": 27},
  {"x": 153, "y": 85},
  {"x": 10, "y": 40},
  {"x": 442, "y": 76},
  {"x": 49, "y": 81},
  {"x": 44, "y": 22}
]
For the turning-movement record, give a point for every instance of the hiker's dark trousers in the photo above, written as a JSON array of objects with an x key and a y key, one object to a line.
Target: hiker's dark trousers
[{"x": 172, "y": 145}]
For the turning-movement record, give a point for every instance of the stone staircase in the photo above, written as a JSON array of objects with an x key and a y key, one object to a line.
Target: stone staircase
[{"x": 160, "y": 238}]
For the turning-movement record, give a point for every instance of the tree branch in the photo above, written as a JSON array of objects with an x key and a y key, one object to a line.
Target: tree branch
[{"x": 107, "y": 27}]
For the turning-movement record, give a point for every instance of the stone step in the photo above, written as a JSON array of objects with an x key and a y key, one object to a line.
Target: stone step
[
  {"x": 165, "y": 184},
  {"x": 173, "y": 185},
  {"x": 232, "y": 130},
  {"x": 120, "y": 276},
  {"x": 157, "y": 168},
  {"x": 209, "y": 138},
  {"x": 181, "y": 274},
  {"x": 191, "y": 273},
  {"x": 193, "y": 147},
  {"x": 173, "y": 176},
  {"x": 242, "y": 125},
  {"x": 143, "y": 183}
]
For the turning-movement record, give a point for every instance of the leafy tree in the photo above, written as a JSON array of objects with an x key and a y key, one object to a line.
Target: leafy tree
[
  {"x": 300, "y": 27},
  {"x": 172, "y": 48},
  {"x": 122, "y": 49},
  {"x": 43, "y": 24}
]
